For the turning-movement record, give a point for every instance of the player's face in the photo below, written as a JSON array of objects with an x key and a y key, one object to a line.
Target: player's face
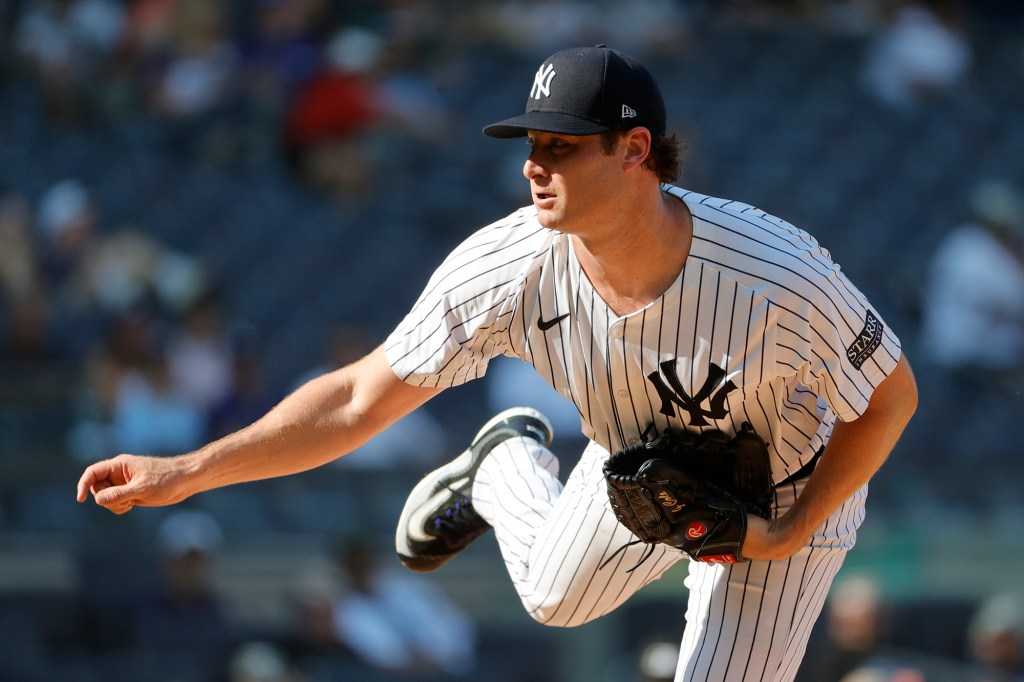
[{"x": 573, "y": 182}]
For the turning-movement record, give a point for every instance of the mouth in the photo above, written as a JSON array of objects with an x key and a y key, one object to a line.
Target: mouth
[{"x": 543, "y": 199}]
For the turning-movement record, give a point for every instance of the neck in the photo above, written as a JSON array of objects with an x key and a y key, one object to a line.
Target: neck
[{"x": 634, "y": 260}]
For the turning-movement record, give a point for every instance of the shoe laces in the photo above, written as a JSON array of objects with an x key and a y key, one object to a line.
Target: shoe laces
[{"x": 458, "y": 517}]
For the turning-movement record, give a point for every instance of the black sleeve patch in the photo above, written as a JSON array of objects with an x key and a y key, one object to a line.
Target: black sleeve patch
[{"x": 867, "y": 341}]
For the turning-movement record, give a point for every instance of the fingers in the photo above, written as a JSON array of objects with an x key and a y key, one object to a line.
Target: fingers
[
  {"x": 110, "y": 495},
  {"x": 96, "y": 476},
  {"x": 769, "y": 540},
  {"x": 129, "y": 481},
  {"x": 121, "y": 508},
  {"x": 110, "y": 485}
]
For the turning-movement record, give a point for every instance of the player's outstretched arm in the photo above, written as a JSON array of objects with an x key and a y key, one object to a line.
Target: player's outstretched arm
[
  {"x": 854, "y": 453},
  {"x": 322, "y": 420}
]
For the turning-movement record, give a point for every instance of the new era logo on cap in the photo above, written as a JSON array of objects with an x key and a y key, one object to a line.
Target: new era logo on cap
[{"x": 628, "y": 112}]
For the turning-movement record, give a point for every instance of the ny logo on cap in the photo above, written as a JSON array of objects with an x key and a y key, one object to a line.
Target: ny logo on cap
[{"x": 542, "y": 81}]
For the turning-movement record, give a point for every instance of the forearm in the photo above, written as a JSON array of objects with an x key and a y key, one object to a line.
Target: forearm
[
  {"x": 317, "y": 423},
  {"x": 322, "y": 420},
  {"x": 856, "y": 450},
  {"x": 854, "y": 453}
]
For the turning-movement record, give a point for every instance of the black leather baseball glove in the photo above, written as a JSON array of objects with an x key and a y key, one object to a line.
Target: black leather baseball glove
[{"x": 692, "y": 491}]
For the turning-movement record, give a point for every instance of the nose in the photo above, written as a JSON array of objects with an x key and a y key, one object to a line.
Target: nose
[{"x": 532, "y": 169}]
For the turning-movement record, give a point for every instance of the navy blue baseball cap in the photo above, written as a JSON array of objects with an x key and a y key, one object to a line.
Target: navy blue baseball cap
[{"x": 586, "y": 91}]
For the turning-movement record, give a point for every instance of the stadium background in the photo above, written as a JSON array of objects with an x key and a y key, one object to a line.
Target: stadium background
[{"x": 306, "y": 191}]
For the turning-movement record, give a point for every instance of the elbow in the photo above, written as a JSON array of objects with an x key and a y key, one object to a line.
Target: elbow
[
  {"x": 901, "y": 393},
  {"x": 912, "y": 403},
  {"x": 909, "y": 392}
]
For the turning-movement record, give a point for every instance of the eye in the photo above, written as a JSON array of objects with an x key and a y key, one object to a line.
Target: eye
[{"x": 560, "y": 146}]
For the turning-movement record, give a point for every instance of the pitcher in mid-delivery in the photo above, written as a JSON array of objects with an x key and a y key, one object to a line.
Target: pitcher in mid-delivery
[{"x": 651, "y": 308}]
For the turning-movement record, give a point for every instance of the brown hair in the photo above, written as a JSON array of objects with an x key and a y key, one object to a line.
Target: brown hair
[{"x": 665, "y": 158}]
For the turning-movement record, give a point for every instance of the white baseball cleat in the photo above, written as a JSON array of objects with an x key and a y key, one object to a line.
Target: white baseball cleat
[{"x": 438, "y": 520}]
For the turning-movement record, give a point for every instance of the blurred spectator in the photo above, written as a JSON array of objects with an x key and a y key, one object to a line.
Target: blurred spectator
[
  {"x": 123, "y": 347},
  {"x": 200, "y": 357},
  {"x": 261, "y": 662},
  {"x": 315, "y": 591},
  {"x": 326, "y": 122},
  {"x": 363, "y": 87},
  {"x": 855, "y": 632},
  {"x": 281, "y": 52},
  {"x": 180, "y": 626},
  {"x": 19, "y": 275},
  {"x": 658, "y": 662},
  {"x": 400, "y": 622},
  {"x": 541, "y": 26},
  {"x": 67, "y": 45},
  {"x": 128, "y": 394},
  {"x": 149, "y": 28},
  {"x": 249, "y": 398},
  {"x": 152, "y": 415},
  {"x": 197, "y": 74},
  {"x": 180, "y": 281},
  {"x": 27, "y": 333},
  {"x": 67, "y": 225},
  {"x": 885, "y": 672},
  {"x": 130, "y": 403},
  {"x": 118, "y": 270},
  {"x": 921, "y": 53},
  {"x": 973, "y": 299},
  {"x": 996, "y": 639}
]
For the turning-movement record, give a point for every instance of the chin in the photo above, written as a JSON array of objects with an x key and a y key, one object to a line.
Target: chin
[{"x": 550, "y": 220}]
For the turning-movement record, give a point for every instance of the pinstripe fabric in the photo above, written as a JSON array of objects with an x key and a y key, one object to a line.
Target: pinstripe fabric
[
  {"x": 760, "y": 326},
  {"x": 554, "y": 540},
  {"x": 751, "y": 621}
]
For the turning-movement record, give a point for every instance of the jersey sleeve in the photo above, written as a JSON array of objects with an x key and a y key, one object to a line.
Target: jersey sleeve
[
  {"x": 461, "y": 320},
  {"x": 836, "y": 341}
]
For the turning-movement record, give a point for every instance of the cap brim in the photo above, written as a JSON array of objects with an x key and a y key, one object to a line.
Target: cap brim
[{"x": 544, "y": 121}]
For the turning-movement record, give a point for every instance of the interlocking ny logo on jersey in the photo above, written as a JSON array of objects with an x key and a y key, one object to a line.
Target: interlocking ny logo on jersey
[
  {"x": 542, "y": 81},
  {"x": 713, "y": 391}
]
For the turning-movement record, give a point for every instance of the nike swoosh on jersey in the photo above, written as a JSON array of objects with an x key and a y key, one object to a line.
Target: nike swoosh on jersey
[{"x": 545, "y": 325}]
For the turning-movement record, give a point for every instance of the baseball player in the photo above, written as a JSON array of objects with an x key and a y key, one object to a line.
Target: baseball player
[{"x": 653, "y": 309}]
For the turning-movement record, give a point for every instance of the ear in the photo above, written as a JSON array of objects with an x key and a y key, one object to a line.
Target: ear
[{"x": 637, "y": 146}]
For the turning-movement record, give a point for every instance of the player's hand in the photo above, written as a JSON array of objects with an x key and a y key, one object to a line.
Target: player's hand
[
  {"x": 129, "y": 481},
  {"x": 771, "y": 540}
]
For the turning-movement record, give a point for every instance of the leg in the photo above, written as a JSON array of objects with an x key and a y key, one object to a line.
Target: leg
[
  {"x": 438, "y": 520},
  {"x": 554, "y": 540},
  {"x": 751, "y": 621}
]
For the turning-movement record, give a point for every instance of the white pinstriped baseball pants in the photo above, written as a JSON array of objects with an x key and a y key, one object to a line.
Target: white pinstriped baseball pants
[{"x": 744, "y": 622}]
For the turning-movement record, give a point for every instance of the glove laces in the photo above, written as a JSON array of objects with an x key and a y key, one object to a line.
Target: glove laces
[{"x": 647, "y": 554}]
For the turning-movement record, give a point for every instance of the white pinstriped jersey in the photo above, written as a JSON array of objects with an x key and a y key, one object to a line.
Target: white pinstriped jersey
[{"x": 759, "y": 326}]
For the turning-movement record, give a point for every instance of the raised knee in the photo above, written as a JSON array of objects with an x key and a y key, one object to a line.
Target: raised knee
[{"x": 558, "y": 613}]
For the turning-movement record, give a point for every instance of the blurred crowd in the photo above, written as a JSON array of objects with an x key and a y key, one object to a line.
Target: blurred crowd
[
  {"x": 152, "y": 354},
  {"x": 865, "y": 636}
]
